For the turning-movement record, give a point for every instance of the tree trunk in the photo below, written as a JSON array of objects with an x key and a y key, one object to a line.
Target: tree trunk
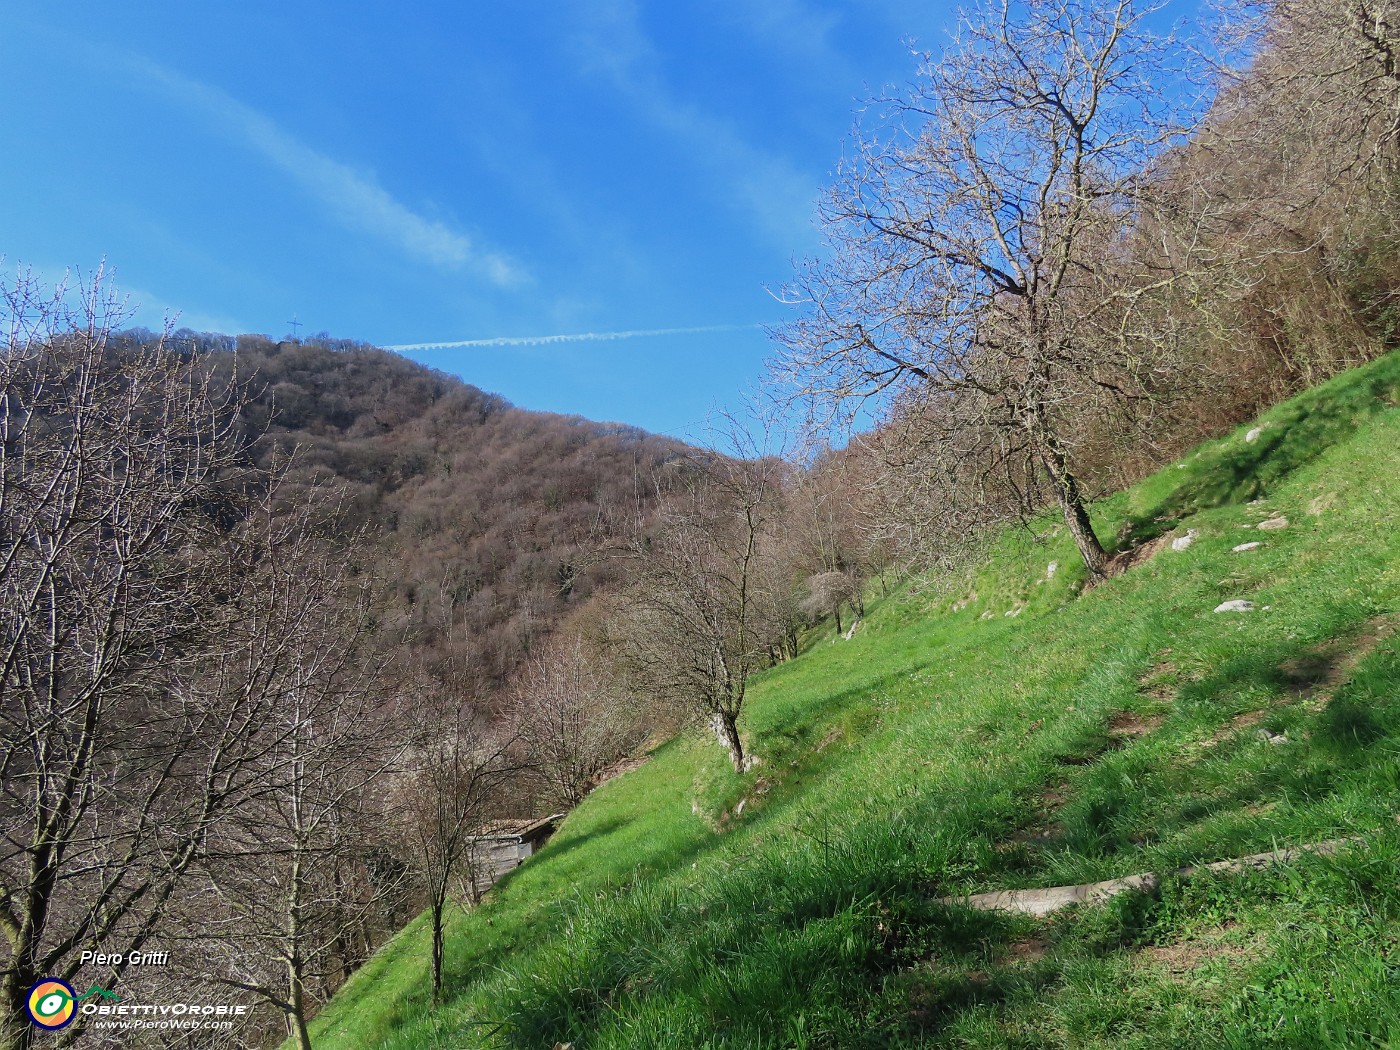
[
  {"x": 1071, "y": 502},
  {"x": 727, "y": 730},
  {"x": 296, "y": 987},
  {"x": 474, "y": 890},
  {"x": 837, "y": 613},
  {"x": 437, "y": 908},
  {"x": 345, "y": 930},
  {"x": 15, "y": 1029},
  {"x": 296, "y": 1018}
]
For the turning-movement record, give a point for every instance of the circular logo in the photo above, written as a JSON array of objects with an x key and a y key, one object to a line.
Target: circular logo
[{"x": 51, "y": 1003}]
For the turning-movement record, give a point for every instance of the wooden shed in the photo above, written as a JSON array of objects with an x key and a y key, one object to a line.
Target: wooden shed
[{"x": 501, "y": 846}]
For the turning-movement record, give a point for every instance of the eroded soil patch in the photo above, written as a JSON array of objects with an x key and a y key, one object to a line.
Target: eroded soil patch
[
  {"x": 1030, "y": 950},
  {"x": 622, "y": 766},
  {"x": 1181, "y": 959},
  {"x": 1044, "y": 827},
  {"x": 1129, "y": 725},
  {"x": 1230, "y": 728},
  {"x": 1125, "y": 560}
]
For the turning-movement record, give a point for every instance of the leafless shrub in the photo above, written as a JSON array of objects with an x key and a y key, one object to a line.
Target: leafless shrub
[
  {"x": 827, "y": 592},
  {"x": 285, "y": 870},
  {"x": 699, "y": 615},
  {"x": 572, "y": 719},
  {"x": 457, "y": 769}
]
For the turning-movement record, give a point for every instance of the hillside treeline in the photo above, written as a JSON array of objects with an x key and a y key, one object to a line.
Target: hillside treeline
[
  {"x": 285, "y": 623},
  {"x": 488, "y": 522}
]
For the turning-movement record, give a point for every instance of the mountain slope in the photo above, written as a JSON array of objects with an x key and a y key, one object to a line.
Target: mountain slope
[
  {"x": 1004, "y": 730},
  {"x": 488, "y": 519}
]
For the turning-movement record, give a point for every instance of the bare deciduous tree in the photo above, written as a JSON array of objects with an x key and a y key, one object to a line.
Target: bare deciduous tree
[
  {"x": 828, "y": 591},
  {"x": 572, "y": 720},
  {"x": 823, "y": 515},
  {"x": 122, "y": 483},
  {"x": 1295, "y": 166},
  {"x": 697, "y": 620},
  {"x": 978, "y": 267},
  {"x": 458, "y": 767},
  {"x": 1321, "y": 80},
  {"x": 287, "y": 864}
]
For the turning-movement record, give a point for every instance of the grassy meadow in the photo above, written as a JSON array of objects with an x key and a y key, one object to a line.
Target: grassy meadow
[{"x": 1004, "y": 729}]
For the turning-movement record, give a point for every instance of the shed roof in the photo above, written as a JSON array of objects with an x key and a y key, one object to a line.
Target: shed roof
[{"x": 521, "y": 830}]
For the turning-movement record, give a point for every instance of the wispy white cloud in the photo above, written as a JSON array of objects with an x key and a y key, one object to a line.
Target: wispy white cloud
[
  {"x": 575, "y": 337},
  {"x": 778, "y": 196},
  {"x": 803, "y": 32},
  {"x": 352, "y": 196}
]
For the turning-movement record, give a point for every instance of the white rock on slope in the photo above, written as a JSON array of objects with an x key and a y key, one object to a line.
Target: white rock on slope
[
  {"x": 1182, "y": 542},
  {"x": 1236, "y": 605}
]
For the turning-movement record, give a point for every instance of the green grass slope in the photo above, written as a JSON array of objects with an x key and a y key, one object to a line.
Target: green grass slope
[{"x": 1003, "y": 730}]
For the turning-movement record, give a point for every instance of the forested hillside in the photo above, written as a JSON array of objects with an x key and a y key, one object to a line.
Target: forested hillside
[
  {"x": 307, "y": 571},
  {"x": 490, "y": 523}
]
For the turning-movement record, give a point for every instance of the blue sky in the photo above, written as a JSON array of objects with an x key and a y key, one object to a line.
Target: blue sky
[{"x": 442, "y": 172}]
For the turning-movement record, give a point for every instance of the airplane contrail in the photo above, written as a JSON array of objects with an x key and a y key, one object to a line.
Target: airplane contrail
[{"x": 575, "y": 337}]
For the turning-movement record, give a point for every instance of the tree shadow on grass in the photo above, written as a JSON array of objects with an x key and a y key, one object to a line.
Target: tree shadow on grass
[
  {"x": 1294, "y": 435},
  {"x": 799, "y": 731},
  {"x": 1327, "y": 731},
  {"x": 556, "y": 849},
  {"x": 987, "y": 959}
]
